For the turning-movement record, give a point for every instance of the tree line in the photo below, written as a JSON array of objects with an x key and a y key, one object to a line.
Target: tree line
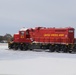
[{"x": 6, "y": 38}]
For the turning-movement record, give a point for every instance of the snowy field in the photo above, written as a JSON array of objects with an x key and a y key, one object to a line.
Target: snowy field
[{"x": 36, "y": 63}]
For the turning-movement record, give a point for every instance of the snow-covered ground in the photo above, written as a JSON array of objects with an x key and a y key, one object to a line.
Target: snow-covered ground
[{"x": 36, "y": 63}]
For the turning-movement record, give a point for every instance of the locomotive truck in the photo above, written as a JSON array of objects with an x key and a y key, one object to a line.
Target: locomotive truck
[{"x": 53, "y": 39}]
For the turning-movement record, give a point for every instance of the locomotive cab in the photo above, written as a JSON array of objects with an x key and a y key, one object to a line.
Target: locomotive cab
[{"x": 24, "y": 36}]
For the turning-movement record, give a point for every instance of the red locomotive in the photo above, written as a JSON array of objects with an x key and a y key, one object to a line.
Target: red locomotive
[{"x": 54, "y": 39}]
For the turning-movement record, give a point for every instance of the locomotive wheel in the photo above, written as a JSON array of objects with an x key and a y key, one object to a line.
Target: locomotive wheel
[
  {"x": 70, "y": 51},
  {"x": 21, "y": 47},
  {"x": 16, "y": 48},
  {"x": 30, "y": 47},
  {"x": 57, "y": 49},
  {"x": 65, "y": 49},
  {"x": 51, "y": 48},
  {"x": 25, "y": 48}
]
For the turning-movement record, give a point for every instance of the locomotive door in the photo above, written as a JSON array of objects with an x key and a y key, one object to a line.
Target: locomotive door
[
  {"x": 27, "y": 34},
  {"x": 71, "y": 35}
]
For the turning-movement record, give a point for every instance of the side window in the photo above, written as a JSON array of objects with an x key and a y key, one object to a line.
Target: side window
[
  {"x": 27, "y": 32},
  {"x": 22, "y": 33},
  {"x": 71, "y": 31}
]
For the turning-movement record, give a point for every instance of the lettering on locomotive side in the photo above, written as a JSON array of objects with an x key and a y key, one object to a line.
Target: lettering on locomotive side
[
  {"x": 54, "y": 35},
  {"x": 46, "y": 34},
  {"x": 61, "y": 34}
]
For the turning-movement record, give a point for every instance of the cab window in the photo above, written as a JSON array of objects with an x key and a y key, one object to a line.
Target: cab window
[
  {"x": 22, "y": 33},
  {"x": 71, "y": 31}
]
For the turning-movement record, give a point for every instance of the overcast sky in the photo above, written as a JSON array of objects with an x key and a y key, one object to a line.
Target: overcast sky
[{"x": 15, "y": 14}]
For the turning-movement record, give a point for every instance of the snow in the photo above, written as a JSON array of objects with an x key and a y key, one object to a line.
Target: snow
[
  {"x": 23, "y": 29},
  {"x": 36, "y": 63}
]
